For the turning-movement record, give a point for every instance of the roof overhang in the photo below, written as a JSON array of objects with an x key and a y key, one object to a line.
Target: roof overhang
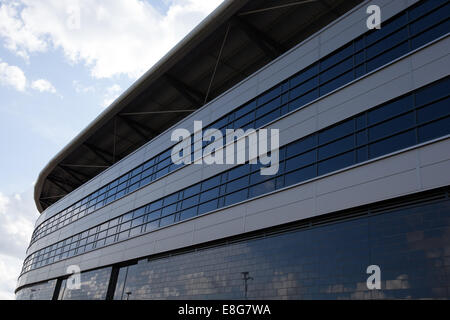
[{"x": 234, "y": 41}]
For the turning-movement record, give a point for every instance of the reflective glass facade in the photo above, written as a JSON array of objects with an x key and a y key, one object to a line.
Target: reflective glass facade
[
  {"x": 94, "y": 285},
  {"x": 322, "y": 258},
  {"x": 407, "y": 31},
  {"x": 414, "y": 118},
  {"x": 40, "y": 291},
  {"x": 411, "y": 245}
]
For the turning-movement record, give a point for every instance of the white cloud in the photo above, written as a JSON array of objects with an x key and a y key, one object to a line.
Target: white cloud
[
  {"x": 43, "y": 85},
  {"x": 17, "y": 35},
  {"x": 12, "y": 76},
  {"x": 112, "y": 93},
  {"x": 9, "y": 269},
  {"x": 80, "y": 88},
  {"x": 110, "y": 37},
  {"x": 17, "y": 218}
]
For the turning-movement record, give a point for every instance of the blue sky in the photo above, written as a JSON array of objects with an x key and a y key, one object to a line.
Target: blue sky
[{"x": 61, "y": 63}]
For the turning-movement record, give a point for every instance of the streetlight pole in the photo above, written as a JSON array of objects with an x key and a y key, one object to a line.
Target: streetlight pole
[{"x": 245, "y": 277}]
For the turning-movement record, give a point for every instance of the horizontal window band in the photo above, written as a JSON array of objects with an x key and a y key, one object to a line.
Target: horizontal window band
[
  {"x": 97, "y": 199},
  {"x": 171, "y": 205}
]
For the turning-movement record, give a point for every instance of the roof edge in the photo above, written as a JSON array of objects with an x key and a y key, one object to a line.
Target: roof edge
[{"x": 222, "y": 13}]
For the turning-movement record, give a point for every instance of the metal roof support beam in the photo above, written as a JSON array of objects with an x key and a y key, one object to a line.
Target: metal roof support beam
[
  {"x": 63, "y": 182},
  {"x": 53, "y": 197},
  {"x": 83, "y": 166},
  {"x": 223, "y": 63},
  {"x": 330, "y": 8},
  {"x": 59, "y": 185},
  {"x": 140, "y": 129},
  {"x": 277, "y": 7},
  {"x": 156, "y": 112},
  {"x": 270, "y": 47},
  {"x": 193, "y": 96},
  {"x": 70, "y": 169},
  {"x": 217, "y": 62},
  {"x": 71, "y": 174},
  {"x": 99, "y": 153},
  {"x": 45, "y": 203}
]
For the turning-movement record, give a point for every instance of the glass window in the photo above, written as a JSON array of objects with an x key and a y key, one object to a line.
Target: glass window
[
  {"x": 361, "y": 138},
  {"x": 210, "y": 183},
  {"x": 133, "y": 187},
  {"x": 236, "y": 197},
  {"x": 301, "y": 160},
  {"x": 167, "y": 220},
  {"x": 154, "y": 215},
  {"x": 257, "y": 177},
  {"x": 300, "y": 175},
  {"x": 362, "y": 154},
  {"x": 336, "y": 70},
  {"x": 299, "y": 102},
  {"x": 303, "y": 88},
  {"x": 237, "y": 184},
  {"x": 208, "y": 206},
  {"x": 432, "y": 92},
  {"x": 424, "y": 7},
  {"x": 210, "y": 194},
  {"x": 268, "y": 107},
  {"x": 152, "y": 225},
  {"x": 336, "y": 163},
  {"x": 169, "y": 210},
  {"x": 391, "y": 109},
  {"x": 336, "y": 83},
  {"x": 155, "y": 205},
  {"x": 135, "y": 231},
  {"x": 430, "y": 34},
  {"x": 262, "y": 188},
  {"x": 387, "y": 43},
  {"x": 149, "y": 164},
  {"x": 336, "y": 57},
  {"x": 245, "y": 109},
  {"x": 337, "y": 147},
  {"x": 434, "y": 111},
  {"x": 124, "y": 178},
  {"x": 123, "y": 235},
  {"x": 125, "y": 226},
  {"x": 135, "y": 179},
  {"x": 434, "y": 130},
  {"x": 137, "y": 221},
  {"x": 387, "y": 56},
  {"x": 301, "y": 146},
  {"x": 391, "y": 144},
  {"x": 189, "y": 202},
  {"x": 267, "y": 118},
  {"x": 171, "y": 199},
  {"x": 337, "y": 131},
  {"x": 244, "y": 120},
  {"x": 189, "y": 213},
  {"x": 269, "y": 96},
  {"x": 387, "y": 28},
  {"x": 392, "y": 126},
  {"x": 195, "y": 189},
  {"x": 239, "y": 171},
  {"x": 430, "y": 19},
  {"x": 304, "y": 75}
]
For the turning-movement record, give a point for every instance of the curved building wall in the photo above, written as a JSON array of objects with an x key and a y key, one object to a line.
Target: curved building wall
[{"x": 354, "y": 175}]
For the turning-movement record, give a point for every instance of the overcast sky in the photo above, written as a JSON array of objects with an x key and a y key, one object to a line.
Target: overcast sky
[{"x": 61, "y": 63}]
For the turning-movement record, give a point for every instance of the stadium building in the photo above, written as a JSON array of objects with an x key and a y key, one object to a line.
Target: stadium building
[{"x": 364, "y": 165}]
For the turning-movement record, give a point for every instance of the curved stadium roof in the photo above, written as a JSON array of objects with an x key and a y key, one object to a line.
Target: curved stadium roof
[{"x": 234, "y": 41}]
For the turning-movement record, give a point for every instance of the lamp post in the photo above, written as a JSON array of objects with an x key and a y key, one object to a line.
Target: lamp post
[{"x": 246, "y": 277}]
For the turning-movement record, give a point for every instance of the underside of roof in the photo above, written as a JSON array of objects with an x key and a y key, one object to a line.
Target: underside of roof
[{"x": 237, "y": 39}]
